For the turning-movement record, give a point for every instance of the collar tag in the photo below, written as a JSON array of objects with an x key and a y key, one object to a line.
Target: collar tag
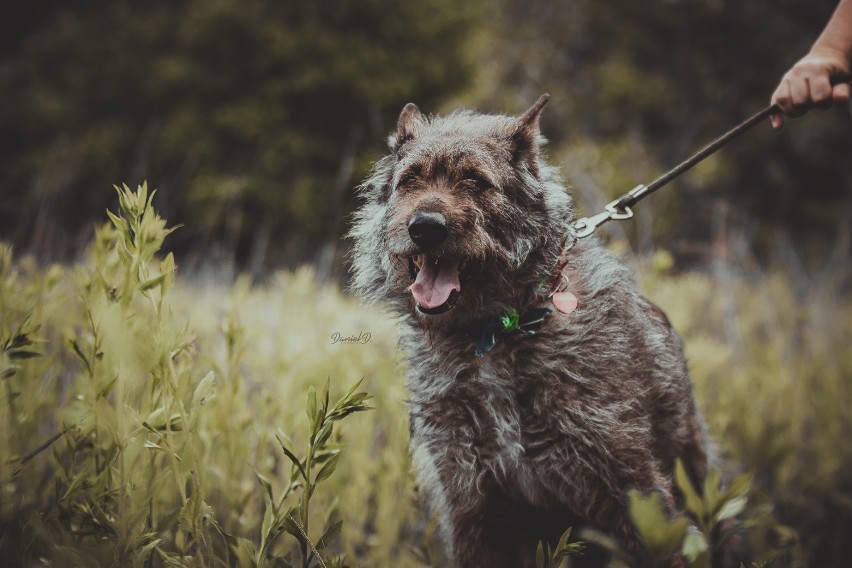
[{"x": 565, "y": 302}]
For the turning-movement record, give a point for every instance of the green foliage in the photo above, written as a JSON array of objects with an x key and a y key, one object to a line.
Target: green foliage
[
  {"x": 132, "y": 476},
  {"x": 320, "y": 455},
  {"x": 146, "y": 419},
  {"x": 706, "y": 518},
  {"x": 770, "y": 364},
  {"x": 557, "y": 557},
  {"x": 660, "y": 534}
]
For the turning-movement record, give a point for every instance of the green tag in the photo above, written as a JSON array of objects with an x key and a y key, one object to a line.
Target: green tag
[{"x": 511, "y": 321}]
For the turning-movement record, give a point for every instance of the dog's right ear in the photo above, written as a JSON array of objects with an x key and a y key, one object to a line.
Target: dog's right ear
[{"x": 408, "y": 127}]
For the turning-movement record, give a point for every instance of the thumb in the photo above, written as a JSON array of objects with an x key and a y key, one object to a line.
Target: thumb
[{"x": 776, "y": 120}]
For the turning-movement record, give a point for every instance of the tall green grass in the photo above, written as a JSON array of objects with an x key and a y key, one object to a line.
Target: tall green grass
[
  {"x": 131, "y": 439},
  {"x": 770, "y": 358},
  {"x": 150, "y": 421}
]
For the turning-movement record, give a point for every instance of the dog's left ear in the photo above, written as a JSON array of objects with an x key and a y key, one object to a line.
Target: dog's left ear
[{"x": 524, "y": 134}]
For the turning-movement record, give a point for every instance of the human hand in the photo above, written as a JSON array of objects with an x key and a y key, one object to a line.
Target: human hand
[{"x": 808, "y": 84}]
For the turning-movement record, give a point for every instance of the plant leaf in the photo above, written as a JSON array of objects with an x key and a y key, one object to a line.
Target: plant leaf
[
  {"x": 694, "y": 502},
  {"x": 539, "y": 556},
  {"x": 660, "y": 534},
  {"x": 731, "y": 508},
  {"x": 292, "y": 457},
  {"x": 694, "y": 545},
  {"x": 327, "y": 468},
  {"x": 205, "y": 390},
  {"x": 331, "y": 533},
  {"x": 152, "y": 283},
  {"x": 264, "y": 482}
]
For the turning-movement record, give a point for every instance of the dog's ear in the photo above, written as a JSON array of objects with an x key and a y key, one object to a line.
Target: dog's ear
[
  {"x": 408, "y": 127},
  {"x": 524, "y": 134},
  {"x": 530, "y": 118}
]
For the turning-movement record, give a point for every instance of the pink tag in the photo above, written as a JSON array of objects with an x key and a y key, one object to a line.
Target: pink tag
[{"x": 565, "y": 302}]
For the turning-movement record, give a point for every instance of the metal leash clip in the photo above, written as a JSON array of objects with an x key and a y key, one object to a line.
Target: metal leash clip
[{"x": 587, "y": 225}]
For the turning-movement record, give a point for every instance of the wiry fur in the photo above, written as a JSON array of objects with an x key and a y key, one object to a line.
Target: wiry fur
[{"x": 547, "y": 430}]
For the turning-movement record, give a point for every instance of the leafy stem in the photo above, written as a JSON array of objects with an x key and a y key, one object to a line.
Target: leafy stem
[{"x": 321, "y": 455}]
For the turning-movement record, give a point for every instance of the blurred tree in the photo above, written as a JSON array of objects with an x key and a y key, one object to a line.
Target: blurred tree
[
  {"x": 255, "y": 119},
  {"x": 250, "y": 117}
]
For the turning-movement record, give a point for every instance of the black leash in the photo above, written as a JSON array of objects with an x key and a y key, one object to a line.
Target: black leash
[{"x": 620, "y": 209}]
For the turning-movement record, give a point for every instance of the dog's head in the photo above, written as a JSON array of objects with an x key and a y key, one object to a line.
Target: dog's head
[{"x": 462, "y": 218}]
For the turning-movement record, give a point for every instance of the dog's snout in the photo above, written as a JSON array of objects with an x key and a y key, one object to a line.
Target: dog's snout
[{"x": 427, "y": 229}]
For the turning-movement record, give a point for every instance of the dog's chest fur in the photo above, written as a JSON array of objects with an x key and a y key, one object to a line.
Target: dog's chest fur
[
  {"x": 508, "y": 415},
  {"x": 486, "y": 410}
]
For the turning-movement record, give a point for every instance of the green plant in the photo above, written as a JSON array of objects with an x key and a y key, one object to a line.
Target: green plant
[
  {"x": 556, "y": 557},
  {"x": 320, "y": 461},
  {"x": 136, "y": 418},
  {"x": 710, "y": 518},
  {"x": 767, "y": 353}
]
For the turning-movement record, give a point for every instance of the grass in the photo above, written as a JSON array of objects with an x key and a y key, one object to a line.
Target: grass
[{"x": 150, "y": 421}]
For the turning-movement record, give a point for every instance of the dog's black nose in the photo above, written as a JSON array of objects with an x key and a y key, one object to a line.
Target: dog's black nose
[{"x": 427, "y": 229}]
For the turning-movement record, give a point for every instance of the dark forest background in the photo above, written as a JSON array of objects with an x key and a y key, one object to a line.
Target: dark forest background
[{"x": 256, "y": 120}]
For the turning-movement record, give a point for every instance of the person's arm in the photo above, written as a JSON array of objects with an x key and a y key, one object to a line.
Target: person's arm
[{"x": 808, "y": 83}]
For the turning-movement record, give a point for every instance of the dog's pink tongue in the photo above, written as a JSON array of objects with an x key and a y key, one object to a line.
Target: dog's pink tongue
[{"x": 435, "y": 282}]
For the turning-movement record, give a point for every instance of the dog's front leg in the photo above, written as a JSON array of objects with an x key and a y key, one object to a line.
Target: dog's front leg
[
  {"x": 477, "y": 523},
  {"x": 491, "y": 535}
]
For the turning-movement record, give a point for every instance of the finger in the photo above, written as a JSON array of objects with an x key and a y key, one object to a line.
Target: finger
[
  {"x": 782, "y": 97},
  {"x": 794, "y": 108},
  {"x": 820, "y": 91},
  {"x": 800, "y": 95},
  {"x": 841, "y": 93}
]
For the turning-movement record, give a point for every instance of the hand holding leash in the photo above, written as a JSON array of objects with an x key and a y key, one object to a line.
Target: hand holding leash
[{"x": 816, "y": 80}]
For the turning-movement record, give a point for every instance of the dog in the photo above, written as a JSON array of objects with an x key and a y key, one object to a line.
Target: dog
[{"x": 543, "y": 386}]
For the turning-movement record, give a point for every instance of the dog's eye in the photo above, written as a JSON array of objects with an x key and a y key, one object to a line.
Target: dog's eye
[
  {"x": 478, "y": 182},
  {"x": 407, "y": 180}
]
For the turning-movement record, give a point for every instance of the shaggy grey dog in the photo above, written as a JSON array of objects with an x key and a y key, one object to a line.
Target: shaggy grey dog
[{"x": 543, "y": 385}]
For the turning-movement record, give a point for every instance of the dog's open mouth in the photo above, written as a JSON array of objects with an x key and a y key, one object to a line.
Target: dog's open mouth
[{"x": 436, "y": 286}]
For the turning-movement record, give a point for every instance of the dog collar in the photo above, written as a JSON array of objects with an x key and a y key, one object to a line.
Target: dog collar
[{"x": 529, "y": 320}]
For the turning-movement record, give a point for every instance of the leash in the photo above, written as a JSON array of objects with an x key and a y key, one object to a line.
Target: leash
[{"x": 620, "y": 209}]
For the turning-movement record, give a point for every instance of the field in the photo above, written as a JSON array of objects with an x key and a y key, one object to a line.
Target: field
[{"x": 148, "y": 420}]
